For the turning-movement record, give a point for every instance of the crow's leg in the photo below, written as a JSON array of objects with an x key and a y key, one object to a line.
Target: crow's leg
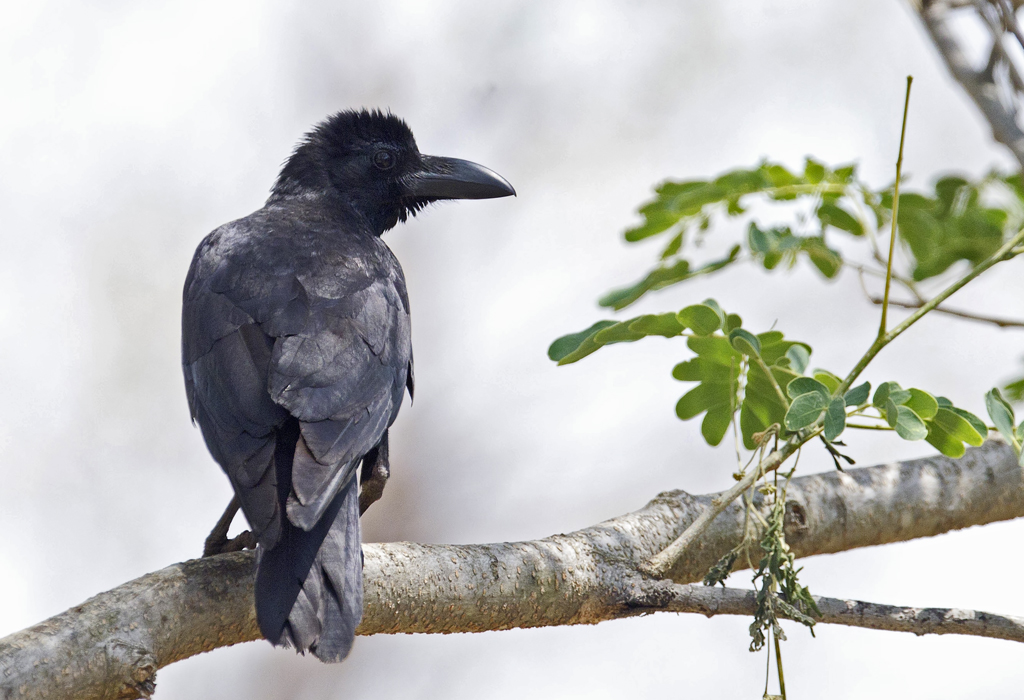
[
  {"x": 217, "y": 542},
  {"x": 375, "y": 473}
]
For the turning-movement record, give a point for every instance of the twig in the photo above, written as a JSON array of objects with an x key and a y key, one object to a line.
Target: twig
[
  {"x": 865, "y": 270},
  {"x": 1004, "y": 252},
  {"x": 1001, "y": 322},
  {"x": 895, "y": 212},
  {"x": 664, "y": 596},
  {"x": 658, "y": 565}
]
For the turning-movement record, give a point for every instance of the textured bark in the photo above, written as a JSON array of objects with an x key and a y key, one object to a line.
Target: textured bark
[{"x": 111, "y": 645}]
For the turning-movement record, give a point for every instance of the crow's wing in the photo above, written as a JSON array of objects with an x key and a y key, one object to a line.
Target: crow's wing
[{"x": 285, "y": 319}]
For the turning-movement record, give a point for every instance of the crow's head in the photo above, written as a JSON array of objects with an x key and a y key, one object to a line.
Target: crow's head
[{"x": 369, "y": 161}]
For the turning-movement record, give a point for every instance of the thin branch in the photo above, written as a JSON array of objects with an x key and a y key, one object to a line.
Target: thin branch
[
  {"x": 994, "y": 320},
  {"x": 112, "y": 645},
  {"x": 663, "y": 596},
  {"x": 1005, "y": 252},
  {"x": 658, "y": 565},
  {"x": 865, "y": 270},
  {"x": 895, "y": 212}
]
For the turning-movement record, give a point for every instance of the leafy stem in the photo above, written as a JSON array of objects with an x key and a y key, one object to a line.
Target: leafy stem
[{"x": 771, "y": 378}]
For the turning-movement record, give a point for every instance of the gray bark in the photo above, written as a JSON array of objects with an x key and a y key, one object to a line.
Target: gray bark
[{"x": 112, "y": 645}]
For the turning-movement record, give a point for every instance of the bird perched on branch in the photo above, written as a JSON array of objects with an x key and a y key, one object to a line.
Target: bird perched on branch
[{"x": 297, "y": 354}]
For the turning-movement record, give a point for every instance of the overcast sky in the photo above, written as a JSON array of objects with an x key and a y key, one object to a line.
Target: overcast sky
[{"x": 130, "y": 130}]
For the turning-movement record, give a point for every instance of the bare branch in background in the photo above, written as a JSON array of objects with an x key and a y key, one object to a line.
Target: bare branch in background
[
  {"x": 112, "y": 645},
  {"x": 997, "y": 87},
  {"x": 966, "y": 315}
]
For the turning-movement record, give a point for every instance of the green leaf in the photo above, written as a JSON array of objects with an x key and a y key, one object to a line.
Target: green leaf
[
  {"x": 804, "y": 385},
  {"x": 814, "y": 172},
  {"x": 745, "y": 342},
  {"x": 619, "y": 333},
  {"x": 1001, "y": 414},
  {"x": 888, "y": 390},
  {"x": 717, "y": 368},
  {"x": 835, "y": 419},
  {"x": 675, "y": 202},
  {"x": 953, "y": 225},
  {"x": 774, "y": 347},
  {"x": 700, "y": 318},
  {"x": 779, "y": 175},
  {"x": 831, "y": 215},
  {"x": 656, "y": 278},
  {"x": 977, "y": 423},
  {"x": 575, "y": 346},
  {"x": 858, "y": 394},
  {"x": 909, "y": 425},
  {"x": 1015, "y": 390},
  {"x": 762, "y": 405},
  {"x": 712, "y": 304},
  {"x": 666, "y": 325},
  {"x": 922, "y": 403},
  {"x": 805, "y": 410},
  {"x": 732, "y": 322},
  {"x": 673, "y": 246},
  {"x": 827, "y": 260},
  {"x": 664, "y": 276},
  {"x": 798, "y": 356},
  {"x": 892, "y": 413},
  {"x": 773, "y": 245},
  {"x": 947, "y": 432},
  {"x": 828, "y": 379}
]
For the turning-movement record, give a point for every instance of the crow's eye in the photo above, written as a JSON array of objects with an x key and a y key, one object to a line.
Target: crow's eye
[{"x": 384, "y": 159}]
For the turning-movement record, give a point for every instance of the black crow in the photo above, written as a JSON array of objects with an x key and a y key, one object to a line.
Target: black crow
[{"x": 297, "y": 354}]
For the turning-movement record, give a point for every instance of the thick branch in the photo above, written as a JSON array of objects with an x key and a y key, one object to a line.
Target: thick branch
[{"x": 111, "y": 645}]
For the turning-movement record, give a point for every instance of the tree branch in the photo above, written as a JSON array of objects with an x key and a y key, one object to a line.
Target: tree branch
[
  {"x": 994, "y": 320},
  {"x": 661, "y": 596},
  {"x": 111, "y": 645},
  {"x": 997, "y": 103}
]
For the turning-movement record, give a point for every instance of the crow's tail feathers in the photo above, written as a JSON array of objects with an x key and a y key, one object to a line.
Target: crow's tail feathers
[{"x": 309, "y": 587}]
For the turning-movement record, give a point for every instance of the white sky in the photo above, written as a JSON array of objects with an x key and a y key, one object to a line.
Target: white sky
[{"x": 129, "y": 130}]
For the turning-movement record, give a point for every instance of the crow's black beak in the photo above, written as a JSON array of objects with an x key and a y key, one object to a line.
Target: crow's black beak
[{"x": 452, "y": 178}]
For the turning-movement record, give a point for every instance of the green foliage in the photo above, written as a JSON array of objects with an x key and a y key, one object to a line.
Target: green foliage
[
  {"x": 1001, "y": 413},
  {"x": 835, "y": 419},
  {"x": 665, "y": 276},
  {"x": 858, "y": 394},
  {"x": 950, "y": 226},
  {"x": 760, "y": 376},
  {"x": 717, "y": 369},
  {"x": 1002, "y": 416},
  {"x": 763, "y": 378},
  {"x": 955, "y": 221},
  {"x": 702, "y": 319}
]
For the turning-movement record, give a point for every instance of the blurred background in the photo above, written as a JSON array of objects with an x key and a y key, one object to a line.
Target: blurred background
[{"x": 130, "y": 130}]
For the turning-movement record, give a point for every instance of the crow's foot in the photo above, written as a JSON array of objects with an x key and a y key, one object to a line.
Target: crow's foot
[
  {"x": 218, "y": 543},
  {"x": 375, "y": 473}
]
